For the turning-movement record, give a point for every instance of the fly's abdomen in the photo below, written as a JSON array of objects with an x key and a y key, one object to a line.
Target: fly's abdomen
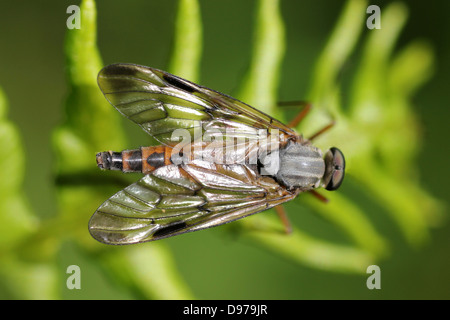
[{"x": 145, "y": 159}]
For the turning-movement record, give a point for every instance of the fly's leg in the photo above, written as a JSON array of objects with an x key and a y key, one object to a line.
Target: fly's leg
[
  {"x": 284, "y": 218},
  {"x": 318, "y": 196},
  {"x": 324, "y": 129},
  {"x": 302, "y": 114}
]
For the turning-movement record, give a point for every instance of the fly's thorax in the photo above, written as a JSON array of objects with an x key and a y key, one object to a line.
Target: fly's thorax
[{"x": 300, "y": 166}]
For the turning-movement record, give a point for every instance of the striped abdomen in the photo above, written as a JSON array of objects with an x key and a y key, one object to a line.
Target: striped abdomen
[{"x": 144, "y": 159}]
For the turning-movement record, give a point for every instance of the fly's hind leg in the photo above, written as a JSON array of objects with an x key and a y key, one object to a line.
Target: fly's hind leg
[
  {"x": 283, "y": 215},
  {"x": 284, "y": 219}
]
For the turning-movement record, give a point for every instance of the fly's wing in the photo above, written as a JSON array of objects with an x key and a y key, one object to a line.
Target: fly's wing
[
  {"x": 160, "y": 103},
  {"x": 176, "y": 199}
]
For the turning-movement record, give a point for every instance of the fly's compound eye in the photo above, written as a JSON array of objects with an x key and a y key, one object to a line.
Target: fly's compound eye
[{"x": 334, "y": 169}]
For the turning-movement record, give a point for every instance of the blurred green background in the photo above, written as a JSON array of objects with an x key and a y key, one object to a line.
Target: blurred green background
[{"x": 214, "y": 263}]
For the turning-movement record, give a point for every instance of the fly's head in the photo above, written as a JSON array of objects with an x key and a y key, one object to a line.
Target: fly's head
[{"x": 334, "y": 169}]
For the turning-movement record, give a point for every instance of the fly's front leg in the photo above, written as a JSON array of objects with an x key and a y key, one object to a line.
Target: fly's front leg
[
  {"x": 301, "y": 115},
  {"x": 324, "y": 129},
  {"x": 318, "y": 196}
]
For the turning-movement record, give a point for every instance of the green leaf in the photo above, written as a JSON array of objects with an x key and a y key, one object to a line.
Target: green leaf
[
  {"x": 380, "y": 109},
  {"x": 29, "y": 280},
  {"x": 148, "y": 269},
  {"x": 93, "y": 125},
  {"x": 382, "y": 117},
  {"x": 20, "y": 279},
  {"x": 186, "y": 54},
  {"x": 305, "y": 249},
  {"x": 260, "y": 89},
  {"x": 16, "y": 219},
  {"x": 340, "y": 45},
  {"x": 350, "y": 218},
  {"x": 91, "y": 121},
  {"x": 261, "y": 83}
]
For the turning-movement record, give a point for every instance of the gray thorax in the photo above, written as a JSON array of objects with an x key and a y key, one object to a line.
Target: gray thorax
[{"x": 296, "y": 166}]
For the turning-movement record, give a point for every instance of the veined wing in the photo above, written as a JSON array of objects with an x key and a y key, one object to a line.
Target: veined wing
[
  {"x": 161, "y": 103},
  {"x": 176, "y": 199}
]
